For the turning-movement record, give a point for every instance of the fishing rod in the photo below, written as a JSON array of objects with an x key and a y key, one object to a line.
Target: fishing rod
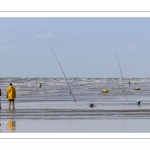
[
  {"x": 71, "y": 93},
  {"x": 122, "y": 78}
]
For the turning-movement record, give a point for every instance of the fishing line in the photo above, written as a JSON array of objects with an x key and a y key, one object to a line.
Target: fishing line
[
  {"x": 71, "y": 93},
  {"x": 122, "y": 78}
]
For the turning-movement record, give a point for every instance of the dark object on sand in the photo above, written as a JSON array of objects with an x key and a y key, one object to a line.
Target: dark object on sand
[
  {"x": 91, "y": 105},
  {"x": 0, "y": 92},
  {"x": 138, "y": 102}
]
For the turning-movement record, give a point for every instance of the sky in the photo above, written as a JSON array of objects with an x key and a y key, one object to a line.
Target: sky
[{"x": 85, "y": 47}]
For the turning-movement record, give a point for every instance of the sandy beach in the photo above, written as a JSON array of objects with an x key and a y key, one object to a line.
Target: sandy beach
[{"x": 51, "y": 109}]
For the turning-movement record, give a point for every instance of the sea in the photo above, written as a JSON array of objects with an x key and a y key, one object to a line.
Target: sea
[{"x": 61, "y": 106}]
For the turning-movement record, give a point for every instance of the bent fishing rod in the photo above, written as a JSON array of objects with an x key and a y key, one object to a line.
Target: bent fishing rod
[
  {"x": 122, "y": 78},
  {"x": 71, "y": 93}
]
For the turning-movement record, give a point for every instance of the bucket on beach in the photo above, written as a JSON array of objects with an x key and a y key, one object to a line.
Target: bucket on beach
[
  {"x": 91, "y": 105},
  {"x": 138, "y": 102}
]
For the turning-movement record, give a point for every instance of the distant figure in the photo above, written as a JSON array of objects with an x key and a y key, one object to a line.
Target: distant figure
[
  {"x": 129, "y": 82},
  {"x": 11, "y": 95},
  {"x": 0, "y": 98},
  {"x": 39, "y": 85}
]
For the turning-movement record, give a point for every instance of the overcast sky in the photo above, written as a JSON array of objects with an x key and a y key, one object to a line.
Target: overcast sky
[{"x": 85, "y": 47}]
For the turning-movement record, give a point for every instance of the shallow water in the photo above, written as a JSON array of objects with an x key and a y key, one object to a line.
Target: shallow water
[
  {"x": 84, "y": 89},
  {"x": 52, "y": 109}
]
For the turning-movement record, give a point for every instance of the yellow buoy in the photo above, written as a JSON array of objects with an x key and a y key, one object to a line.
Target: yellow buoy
[
  {"x": 105, "y": 91},
  {"x": 137, "y": 88}
]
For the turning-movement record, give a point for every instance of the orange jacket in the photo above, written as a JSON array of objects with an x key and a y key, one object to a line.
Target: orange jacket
[{"x": 11, "y": 92}]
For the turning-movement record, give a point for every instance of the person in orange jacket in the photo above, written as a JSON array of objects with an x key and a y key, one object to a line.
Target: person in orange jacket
[
  {"x": 0, "y": 97},
  {"x": 11, "y": 95}
]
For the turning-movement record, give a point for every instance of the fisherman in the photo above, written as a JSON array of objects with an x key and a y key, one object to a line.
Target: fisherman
[
  {"x": 129, "y": 82},
  {"x": 39, "y": 85},
  {"x": 0, "y": 98},
  {"x": 11, "y": 95}
]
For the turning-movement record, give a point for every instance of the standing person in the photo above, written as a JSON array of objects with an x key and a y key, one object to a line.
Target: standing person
[
  {"x": 11, "y": 95},
  {"x": 129, "y": 82},
  {"x": 0, "y": 98},
  {"x": 39, "y": 85}
]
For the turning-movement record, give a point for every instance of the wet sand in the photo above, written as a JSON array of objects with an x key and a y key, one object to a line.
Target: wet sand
[
  {"x": 73, "y": 114},
  {"x": 78, "y": 126},
  {"x": 90, "y": 120}
]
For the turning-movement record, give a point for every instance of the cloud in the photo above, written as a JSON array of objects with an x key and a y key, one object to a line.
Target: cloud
[
  {"x": 132, "y": 47},
  {"x": 47, "y": 35},
  {"x": 50, "y": 35}
]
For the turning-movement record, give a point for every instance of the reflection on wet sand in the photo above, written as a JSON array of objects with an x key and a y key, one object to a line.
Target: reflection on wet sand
[{"x": 11, "y": 125}]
